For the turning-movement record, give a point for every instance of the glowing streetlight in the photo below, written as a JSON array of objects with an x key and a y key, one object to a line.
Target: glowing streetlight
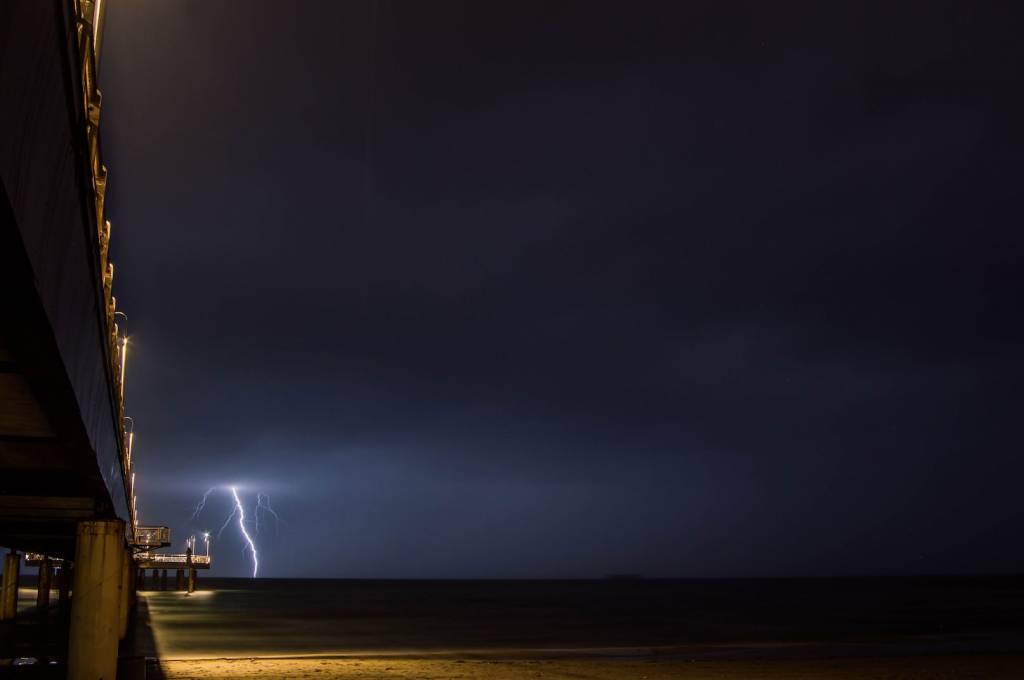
[
  {"x": 131, "y": 437},
  {"x": 124, "y": 355},
  {"x": 206, "y": 537},
  {"x": 124, "y": 350}
]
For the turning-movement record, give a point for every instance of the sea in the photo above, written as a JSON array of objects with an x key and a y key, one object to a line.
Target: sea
[{"x": 693, "y": 618}]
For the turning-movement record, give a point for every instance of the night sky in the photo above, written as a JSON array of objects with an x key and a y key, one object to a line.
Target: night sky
[{"x": 550, "y": 289}]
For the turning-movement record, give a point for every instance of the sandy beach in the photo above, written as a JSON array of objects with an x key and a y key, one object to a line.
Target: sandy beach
[
  {"x": 981, "y": 667},
  {"x": 842, "y": 629}
]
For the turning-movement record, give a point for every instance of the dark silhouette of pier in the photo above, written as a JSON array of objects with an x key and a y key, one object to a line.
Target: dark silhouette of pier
[{"x": 67, "y": 474}]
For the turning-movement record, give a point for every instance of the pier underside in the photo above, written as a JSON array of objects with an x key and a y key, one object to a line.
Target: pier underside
[
  {"x": 49, "y": 474},
  {"x": 60, "y": 429}
]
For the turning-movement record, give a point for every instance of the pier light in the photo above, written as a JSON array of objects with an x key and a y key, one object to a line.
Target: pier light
[
  {"x": 124, "y": 348},
  {"x": 130, "y": 431},
  {"x": 124, "y": 354}
]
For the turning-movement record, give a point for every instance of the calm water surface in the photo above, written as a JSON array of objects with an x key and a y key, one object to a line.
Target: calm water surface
[{"x": 236, "y": 618}]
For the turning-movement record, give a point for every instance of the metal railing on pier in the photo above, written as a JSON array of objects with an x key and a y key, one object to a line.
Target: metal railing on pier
[
  {"x": 165, "y": 560},
  {"x": 152, "y": 537}
]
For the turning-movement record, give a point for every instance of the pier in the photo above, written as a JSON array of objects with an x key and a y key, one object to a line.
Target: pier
[{"x": 68, "y": 504}]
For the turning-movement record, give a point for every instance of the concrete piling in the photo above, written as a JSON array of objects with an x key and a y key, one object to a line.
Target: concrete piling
[
  {"x": 125, "y": 594},
  {"x": 93, "y": 636},
  {"x": 179, "y": 579},
  {"x": 156, "y": 580},
  {"x": 163, "y": 580},
  {"x": 43, "y": 585},
  {"x": 9, "y": 597}
]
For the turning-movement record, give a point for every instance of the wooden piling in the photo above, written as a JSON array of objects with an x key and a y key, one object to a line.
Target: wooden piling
[
  {"x": 64, "y": 580},
  {"x": 43, "y": 585},
  {"x": 191, "y": 571},
  {"x": 9, "y": 597},
  {"x": 93, "y": 635}
]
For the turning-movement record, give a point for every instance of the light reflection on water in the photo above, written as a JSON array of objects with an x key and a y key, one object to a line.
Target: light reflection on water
[
  {"x": 260, "y": 617},
  {"x": 264, "y": 617}
]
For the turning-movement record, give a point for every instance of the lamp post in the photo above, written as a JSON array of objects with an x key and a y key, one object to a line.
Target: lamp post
[
  {"x": 130, "y": 431},
  {"x": 124, "y": 350}
]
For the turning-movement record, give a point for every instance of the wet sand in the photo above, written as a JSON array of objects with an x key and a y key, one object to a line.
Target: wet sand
[{"x": 722, "y": 630}]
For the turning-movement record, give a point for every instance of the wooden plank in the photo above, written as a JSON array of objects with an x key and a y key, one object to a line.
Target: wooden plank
[
  {"x": 33, "y": 454},
  {"x": 20, "y": 413},
  {"x": 45, "y": 508},
  {"x": 48, "y": 502}
]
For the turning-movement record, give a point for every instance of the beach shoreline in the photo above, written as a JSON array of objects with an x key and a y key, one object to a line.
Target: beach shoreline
[
  {"x": 939, "y": 667},
  {"x": 742, "y": 630}
]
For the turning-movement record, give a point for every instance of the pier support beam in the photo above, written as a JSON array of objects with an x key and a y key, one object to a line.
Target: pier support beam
[
  {"x": 163, "y": 580},
  {"x": 43, "y": 585},
  {"x": 9, "y": 598},
  {"x": 156, "y": 579},
  {"x": 92, "y": 643},
  {"x": 179, "y": 580},
  {"x": 127, "y": 567},
  {"x": 64, "y": 579},
  {"x": 191, "y": 570}
]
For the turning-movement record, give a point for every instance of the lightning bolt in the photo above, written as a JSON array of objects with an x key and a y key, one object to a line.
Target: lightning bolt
[
  {"x": 262, "y": 509},
  {"x": 263, "y": 503},
  {"x": 224, "y": 526},
  {"x": 202, "y": 503},
  {"x": 248, "y": 538}
]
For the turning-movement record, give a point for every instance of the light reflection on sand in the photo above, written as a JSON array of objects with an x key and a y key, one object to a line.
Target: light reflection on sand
[
  {"x": 934, "y": 668},
  {"x": 792, "y": 629}
]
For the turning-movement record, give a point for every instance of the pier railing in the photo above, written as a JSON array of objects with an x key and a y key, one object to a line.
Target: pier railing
[
  {"x": 36, "y": 559},
  {"x": 165, "y": 559},
  {"x": 152, "y": 537},
  {"x": 88, "y": 29}
]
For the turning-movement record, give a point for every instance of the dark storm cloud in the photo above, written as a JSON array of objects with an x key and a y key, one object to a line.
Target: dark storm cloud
[{"x": 512, "y": 289}]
